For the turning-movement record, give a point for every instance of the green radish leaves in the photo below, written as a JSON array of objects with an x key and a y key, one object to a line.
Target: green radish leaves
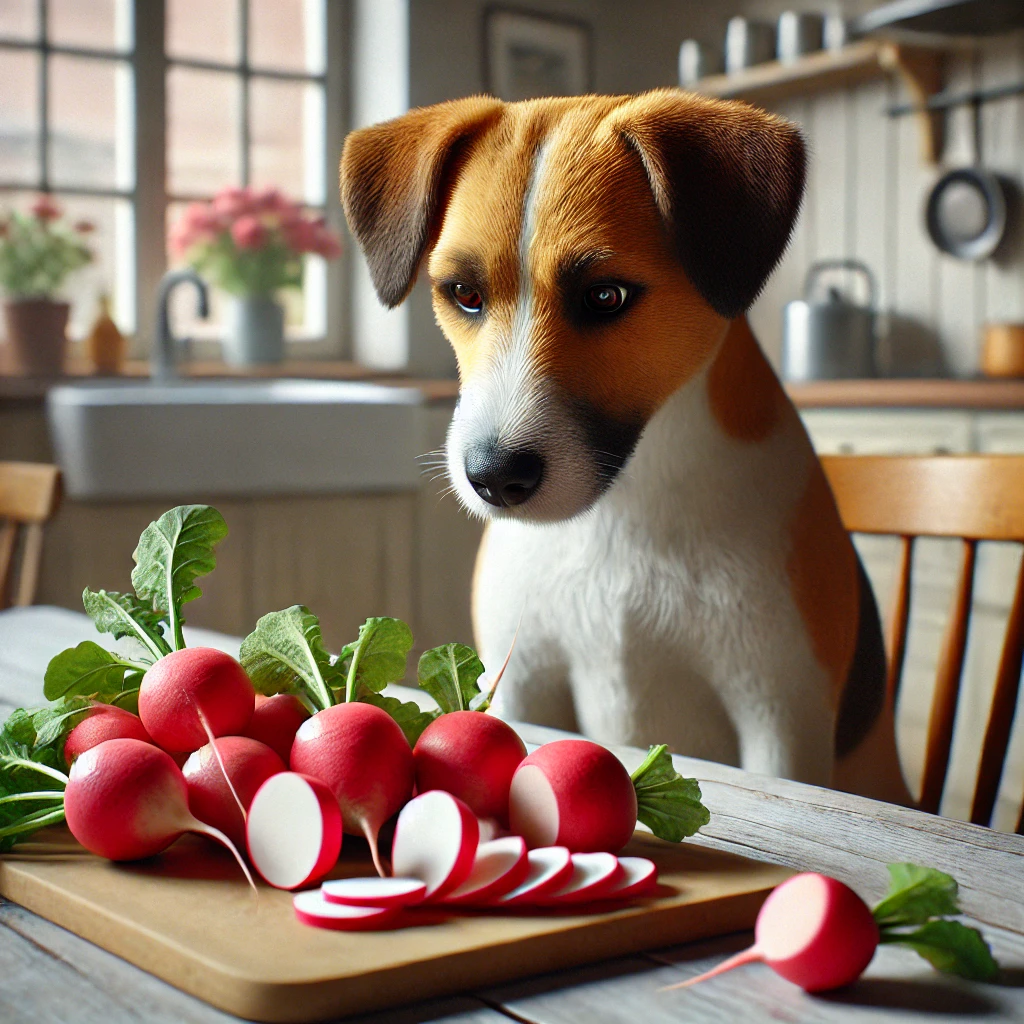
[
  {"x": 124, "y": 615},
  {"x": 409, "y": 716},
  {"x": 89, "y": 670},
  {"x": 669, "y": 805},
  {"x": 172, "y": 554},
  {"x": 914, "y": 913},
  {"x": 449, "y": 674},
  {"x": 377, "y": 658},
  {"x": 285, "y": 654}
]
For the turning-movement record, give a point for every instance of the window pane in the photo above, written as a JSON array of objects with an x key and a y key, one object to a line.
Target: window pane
[
  {"x": 203, "y": 30},
  {"x": 203, "y": 149},
  {"x": 90, "y": 122},
  {"x": 287, "y": 137},
  {"x": 19, "y": 116},
  {"x": 289, "y": 35},
  {"x": 98, "y": 24},
  {"x": 18, "y": 19}
]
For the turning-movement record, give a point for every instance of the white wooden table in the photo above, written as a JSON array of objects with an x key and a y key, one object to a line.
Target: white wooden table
[{"x": 50, "y": 975}]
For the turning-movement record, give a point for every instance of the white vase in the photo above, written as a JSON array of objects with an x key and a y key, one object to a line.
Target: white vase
[{"x": 253, "y": 330}]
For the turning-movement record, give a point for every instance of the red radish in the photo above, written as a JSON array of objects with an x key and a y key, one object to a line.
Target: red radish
[
  {"x": 374, "y": 891},
  {"x": 311, "y": 908},
  {"x": 472, "y": 756},
  {"x": 187, "y": 684},
  {"x": 126, "y": 799},
  {"x": 813, "y": 931},
  {"x": 293, "y": 830},
  {"x": 548, "y": 868},
  {"x": 593, "y": 874},
  {"x": 573, "y": 793},
  {"x": 499, "y": 867},
  {"x": 103, "y": 722},
  {"x": 361, "y": 754},
  {"x": 639, "y": 877},
  {"x": 276, "y": 720},
  {"x": 436, "y": 838},
  {"x": 248, "y": 764}
]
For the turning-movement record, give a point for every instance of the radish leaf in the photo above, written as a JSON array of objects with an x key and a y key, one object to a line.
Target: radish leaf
[
  {"x": 449, "y": 674},
  {"x": 88, "y": 670},
  {"x": 948, "y": 946},
  {"x": 669, "y": 805},
  {"x": 285, "y": 654},
  {"x": 29, "y": 772},
  {"x": 125, "y": 615},
  {"x": 916, "y": 895},
  {"x": 172, "y": 553},
  {"x": 377, "y": 658},
  {"x": 410, "y": 717}
]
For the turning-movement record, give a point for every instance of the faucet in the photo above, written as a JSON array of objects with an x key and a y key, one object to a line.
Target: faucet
[{"x": 163, "y": 363}]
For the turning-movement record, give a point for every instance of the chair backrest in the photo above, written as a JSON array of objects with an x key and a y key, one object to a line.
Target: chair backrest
[
  {"x": 29, "y": 497},
  {"x": 972, "y": 498}
]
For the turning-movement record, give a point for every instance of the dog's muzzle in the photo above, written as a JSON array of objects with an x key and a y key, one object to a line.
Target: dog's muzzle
[{"x": 503, "y": 476}]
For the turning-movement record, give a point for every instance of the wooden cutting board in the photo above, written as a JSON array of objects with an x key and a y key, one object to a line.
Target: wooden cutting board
[{"x": 189, "y": 918}]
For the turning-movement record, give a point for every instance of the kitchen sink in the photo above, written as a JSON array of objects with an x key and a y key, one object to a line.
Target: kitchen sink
[{"x": 194, "y": 440}]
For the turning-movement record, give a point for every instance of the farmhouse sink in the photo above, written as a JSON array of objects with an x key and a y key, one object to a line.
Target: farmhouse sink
[{"x": 194, "y": 440}]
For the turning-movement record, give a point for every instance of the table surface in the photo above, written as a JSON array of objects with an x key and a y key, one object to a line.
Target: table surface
[{"x": 48, "y": 974}]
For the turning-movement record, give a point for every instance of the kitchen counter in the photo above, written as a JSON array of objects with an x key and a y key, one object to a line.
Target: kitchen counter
[{"x": 907, "y": 393}]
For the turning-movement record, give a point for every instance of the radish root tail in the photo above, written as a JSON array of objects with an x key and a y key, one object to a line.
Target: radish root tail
[
  {"x": 746, "y": 956},
  {"x": 378, "y": 863},
  {"x": 218, "y": 836},
  {"x": 504, "y": 664},
  {"x": 220, "y": 761}
]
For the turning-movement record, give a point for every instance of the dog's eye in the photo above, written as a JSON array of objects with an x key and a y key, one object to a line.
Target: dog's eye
[
  {"x": 468, "y": 299},
  {"x": 605, "y": 298}
]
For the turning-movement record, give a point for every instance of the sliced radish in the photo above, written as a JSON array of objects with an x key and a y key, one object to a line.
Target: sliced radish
[
  {"x": 311, "y": 908},
  {"x": 293, "y": 830},
  {"x": 374, "y": 892},
  {"x": 593, "y": 874},
  {"x": 435, "y": 841},
  {"x": 548, "y": 867},
  {"x": 639, "y": 876},
  {"x": 499, "y": 867}
]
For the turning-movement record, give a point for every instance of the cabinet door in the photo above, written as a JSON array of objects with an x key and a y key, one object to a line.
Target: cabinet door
[{"x": 889, "y": 431}]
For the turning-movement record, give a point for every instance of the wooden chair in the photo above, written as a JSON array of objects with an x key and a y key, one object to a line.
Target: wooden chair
[
  {"x": 29, "y": 497},
  {"x": 972, "y": 498}
]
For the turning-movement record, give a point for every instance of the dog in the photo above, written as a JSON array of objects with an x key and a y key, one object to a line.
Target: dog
[{"x": 659, "y": 527}]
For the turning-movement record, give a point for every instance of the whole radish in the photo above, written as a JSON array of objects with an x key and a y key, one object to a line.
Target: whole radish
[
  {"x": 126, "y": 799},
  {"x": 248, "y": 764},
  {"x": 813, "y": 931},
  {"x": 362, "y": 755},
  {"x": 276, "y": 720},
  {"x": 573, "y": 793},
  {"x": 103, "y": 722},
  {"x": 472, "y": 756},
  {"x": 188, "y": 685}
]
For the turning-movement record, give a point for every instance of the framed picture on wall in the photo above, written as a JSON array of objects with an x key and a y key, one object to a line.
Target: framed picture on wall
[{"x": 528, "y": 55}]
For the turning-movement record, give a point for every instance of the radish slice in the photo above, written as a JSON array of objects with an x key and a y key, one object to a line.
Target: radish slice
[
  {"x": 311, "y": 908},
  {"x": 435, "y": 841},
  {"x": 499, "y": 867},
  {"x": 293, "y": 830},
  {"x": 374, "y": 892},
  {"x": 639, "y": 876},
  {"x": 593, "y": 874},
  {"x": 548, "y": 867}
]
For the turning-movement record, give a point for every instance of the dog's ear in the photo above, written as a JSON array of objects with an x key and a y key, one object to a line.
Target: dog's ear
[
  {"x": 391, "y": 182},
  {"x": 727, "y": 180}
]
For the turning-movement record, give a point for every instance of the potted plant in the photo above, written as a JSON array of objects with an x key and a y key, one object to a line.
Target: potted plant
[
  {"x": 250, "y": 243},
  {"x": 37, "y": 253}
]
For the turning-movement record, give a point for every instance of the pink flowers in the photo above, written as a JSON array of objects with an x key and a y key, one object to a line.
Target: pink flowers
[
  {"x": 45, "y": 209},
  {"x": 249, "y": 232}
]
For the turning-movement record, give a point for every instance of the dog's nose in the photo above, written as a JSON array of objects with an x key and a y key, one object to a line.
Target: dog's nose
[{"x": 503, "y": 476}]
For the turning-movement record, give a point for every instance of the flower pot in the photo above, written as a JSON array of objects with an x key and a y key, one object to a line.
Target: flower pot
[
  {"x": 254, "y": 330},
  {"x": 36, "y": 331}
]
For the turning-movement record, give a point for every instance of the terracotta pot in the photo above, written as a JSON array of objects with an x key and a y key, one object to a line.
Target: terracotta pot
[
  {"x": 36, "y": 333},
  {"x": 1002, "y": 354}
]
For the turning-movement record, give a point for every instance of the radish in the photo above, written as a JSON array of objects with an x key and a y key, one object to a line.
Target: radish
[
  {"x": 275, "y": 721},
  {"x": 436, "y": 839},
  {"x": 312, "y": 908},
  {"x": 184, "y": 687},
  {"x": 293, "y": 830},
  {"x": 248, "y": 764},
  {"x": 375, "y": 892},
  {"x": 812, "y": 930},
  {"x": 573, "y": 793},
  {"x": 103, "y": 722},
  {"x": 361, "y": 754},
  {"x": 548, "y": 868},
  {"x": 593, "y": 874},
  {"x": 639, "y": 877},
  {"x": 498, "y": 867},
  {"x": 126, "y": 799},
  {"x": 472, "y": 756}
]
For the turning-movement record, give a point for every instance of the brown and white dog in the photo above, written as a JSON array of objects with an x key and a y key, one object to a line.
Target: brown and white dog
[{"x": 657, "y": 514}]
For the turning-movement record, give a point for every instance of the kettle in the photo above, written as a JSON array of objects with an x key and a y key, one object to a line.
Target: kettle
[{"x": 830, "y": 337}]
